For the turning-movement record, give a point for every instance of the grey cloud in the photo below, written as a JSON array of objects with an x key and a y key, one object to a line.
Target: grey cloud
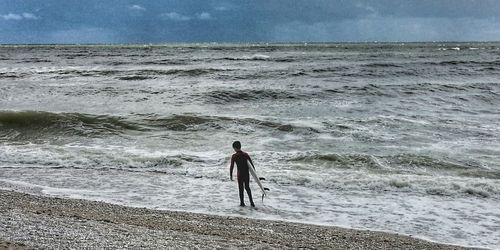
[
  {"x": 11, "y": 16},
  {"x": 221, "y": 8},
  {"x": 18, "y": 17},
  {"x": 137, "y": 8},
  {"x": 224, "y": 6},
  {"x": 29, "y": 16},
  {"x": 174, "y": 16},
  {"x": 370, "y": 10},
  {"x": 204, "y": 16}
]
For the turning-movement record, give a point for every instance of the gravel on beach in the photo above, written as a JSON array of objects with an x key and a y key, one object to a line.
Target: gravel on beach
[{"x": 35, "y": 221}]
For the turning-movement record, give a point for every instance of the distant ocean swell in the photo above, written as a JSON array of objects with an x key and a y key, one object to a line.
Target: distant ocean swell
[
  {"x": 475, "y": 93},
  {"x": 195, "y": 68},
  {"x": 74, "y": 72}
]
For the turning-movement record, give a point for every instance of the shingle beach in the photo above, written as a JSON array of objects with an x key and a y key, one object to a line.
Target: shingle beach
[{"x": 35, "y": 221}]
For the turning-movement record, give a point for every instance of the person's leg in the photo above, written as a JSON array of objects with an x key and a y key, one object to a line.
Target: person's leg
[
  {"x": 249, "y": 192},
  {"x": 240, "y": 188}
]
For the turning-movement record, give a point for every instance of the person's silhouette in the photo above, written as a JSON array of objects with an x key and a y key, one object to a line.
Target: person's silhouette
[{"x": 241, "y": 158}]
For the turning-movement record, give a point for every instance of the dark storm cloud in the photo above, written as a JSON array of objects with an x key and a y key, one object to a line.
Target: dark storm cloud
[{"x": 155, "y": 21}]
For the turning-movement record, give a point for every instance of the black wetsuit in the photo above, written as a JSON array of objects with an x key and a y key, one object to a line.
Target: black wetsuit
[{"x": 240, "y": 158}]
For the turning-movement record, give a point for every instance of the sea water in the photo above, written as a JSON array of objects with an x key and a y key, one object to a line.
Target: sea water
[{"x": 394, "y": 137}]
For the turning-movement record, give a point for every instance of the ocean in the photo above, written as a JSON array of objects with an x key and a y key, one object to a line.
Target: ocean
[{"x": 391, "y": 137}]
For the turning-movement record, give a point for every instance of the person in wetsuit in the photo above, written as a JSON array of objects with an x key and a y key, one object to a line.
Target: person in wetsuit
[{"x": 240, "y": 158}]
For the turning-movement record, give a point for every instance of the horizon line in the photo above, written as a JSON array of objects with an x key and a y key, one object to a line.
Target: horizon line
[{"x": 243, "y": 43}]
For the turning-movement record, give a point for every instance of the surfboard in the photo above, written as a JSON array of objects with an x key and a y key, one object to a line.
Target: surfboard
[{"x": 256, "y": 179}]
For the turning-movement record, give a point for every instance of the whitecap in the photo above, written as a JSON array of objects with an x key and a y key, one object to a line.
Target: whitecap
[{"x": 257, "y": 57}]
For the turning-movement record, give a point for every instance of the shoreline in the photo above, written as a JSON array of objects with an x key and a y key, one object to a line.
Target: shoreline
[{"x": 35, "y": 221}]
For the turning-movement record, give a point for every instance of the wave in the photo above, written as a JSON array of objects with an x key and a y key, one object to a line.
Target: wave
[
  {"x": 135, "y": 78},
  {"x": 231, "y": 96},
  {"x": 36, "y": 60},
  {"x": 351, "y": 172},
  {"x": 191, "y": 122},
  {"x": 331, "y": 69},
  {"x": 180, "y": 122},
  {"x": 399, "y": 163},
  {"x": 406, "y": 69},
  {"x": 377, "y": 70},
  {"x": 149, "y": 73},
  {"x": 397, "y": 183},
  {"x": 340, "y": 161},
  {"x": 12, "y": 75},
  {"x": 39, "y": 125},
  {"x": 488, "y": 91},
  {"x": 382, "y": 65},
  {"x": 465, "y": 62},
  {"x": 177, "y": 61},
  {"x": 255, "y": 57},
  {"x": 118, "y": 74},
  {"x": 398, "y": 173},
  {"x": 260, "y": 57},
  {"x": 455, "y": 93}
]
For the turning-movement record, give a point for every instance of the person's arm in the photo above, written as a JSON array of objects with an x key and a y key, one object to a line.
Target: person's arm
[
  {"x": 231, "y": 168},
  {"x": 250, "y": 160}
]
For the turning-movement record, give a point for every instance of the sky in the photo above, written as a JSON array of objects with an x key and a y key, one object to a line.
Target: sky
[{"x": 169, "y": 21}]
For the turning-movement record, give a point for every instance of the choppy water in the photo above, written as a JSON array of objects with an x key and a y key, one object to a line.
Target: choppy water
[{"x": 393, "y": 137}]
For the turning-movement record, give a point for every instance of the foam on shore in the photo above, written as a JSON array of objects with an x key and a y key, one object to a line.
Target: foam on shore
[{"x": 47, "y": 222}]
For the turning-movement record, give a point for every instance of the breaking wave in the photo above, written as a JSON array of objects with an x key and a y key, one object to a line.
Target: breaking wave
[
  {"x": 27, "y": 125},
  {"x": 255, "y": 57},
  {"x": 399, "y": 163},
  {"x": 38, "y": 125}
]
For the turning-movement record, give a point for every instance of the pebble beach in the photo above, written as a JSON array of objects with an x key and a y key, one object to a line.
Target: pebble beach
[{"x": 30, "y": 221}]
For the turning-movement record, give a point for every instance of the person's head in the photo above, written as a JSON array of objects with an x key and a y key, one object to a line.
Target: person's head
[{"x": 237, "y": 145}]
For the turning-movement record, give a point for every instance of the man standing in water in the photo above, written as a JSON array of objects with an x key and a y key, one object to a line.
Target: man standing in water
[{"x": 241, "y": 159}]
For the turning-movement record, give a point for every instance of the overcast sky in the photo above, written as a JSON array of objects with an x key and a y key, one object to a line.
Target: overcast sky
[{"x": 160, "y": 21}]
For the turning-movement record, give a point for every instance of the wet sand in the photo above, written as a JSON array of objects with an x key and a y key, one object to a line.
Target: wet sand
[{"x": 46, "y": 222}]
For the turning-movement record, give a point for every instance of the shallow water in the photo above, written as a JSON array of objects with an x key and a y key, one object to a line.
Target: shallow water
[{"x": 394, "y": 137}]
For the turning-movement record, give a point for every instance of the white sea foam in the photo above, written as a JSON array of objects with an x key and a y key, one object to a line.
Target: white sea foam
[
  {"x": 257, "y": 57},
  {"x": 254, "y": 57},
  {"x": 438, "y": 218}
]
